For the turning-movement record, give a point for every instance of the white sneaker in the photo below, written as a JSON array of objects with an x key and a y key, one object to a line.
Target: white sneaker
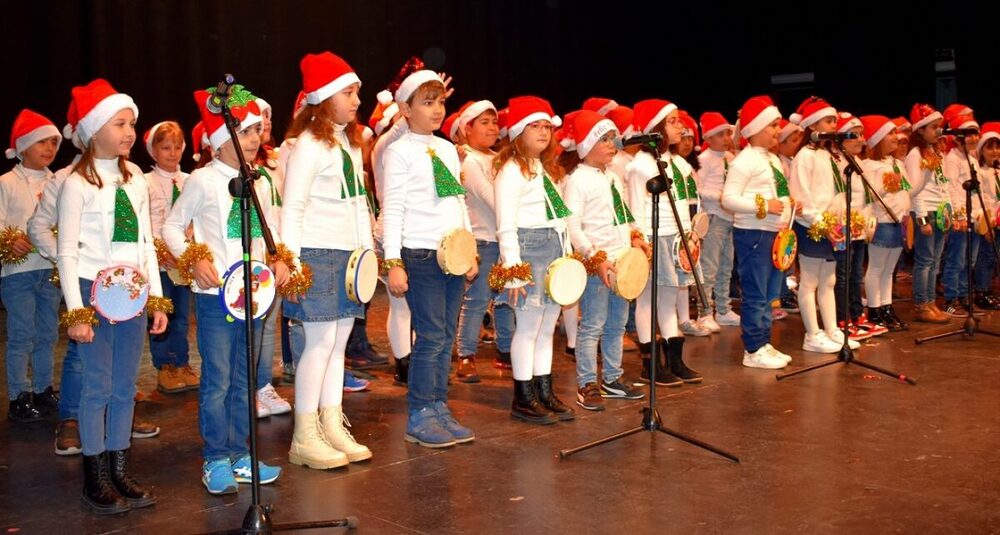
[
  {"x": 762, "y": 358},
  {"x": 693, "y": 329},
  {"x": 262, "y": 410},
  {"x": 819, "y": 342},
  {"x": 838, "y": 338},
  {"x": 729, "y": 319},
  {"x": 779, "y": 354},
  {"x": 708, "y": 322},
  {"x": 269, "y": 398}
]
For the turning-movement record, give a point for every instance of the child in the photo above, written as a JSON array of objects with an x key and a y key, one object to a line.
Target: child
[
  {"x": 423, "y": 202},
  {"x": 600, "y": 227},
  {"x": 988, "y": 150},
  {"x": 206, "y": 203},
  {"x": 928, "y": 197},
  {"x": 325, "y": 180},
  {"x": 24, "y": 280},
  {"x": 757, "y": 193},
  {"x": 885, "y": 174},
  {"x": 956, "y": 168},
  {"x": 106, "y": 193},
  {"x": 165, "y": 145}
]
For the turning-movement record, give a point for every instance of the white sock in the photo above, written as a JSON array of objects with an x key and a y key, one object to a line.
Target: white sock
[
  {"x": 321, "y": 337},
  {"x": 666, "y": 311},
  {"x": 825, "y": 296},
  {"x": 644, "y": 315},
  {"x": 542, "y": 364},
  {"x": 571, "y": 321},
  {"x": 809, "y": 269},
  {"x": 683, "y": 304},
  {"x": 333, "y": 382},
  {"x": 398, "y": 327},
  {"x": 522, "y": 344}
]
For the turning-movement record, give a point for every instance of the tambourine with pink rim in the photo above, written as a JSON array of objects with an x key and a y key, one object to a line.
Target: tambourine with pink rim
[
  {"x": 263, "y": 291},
  {"x": 119, "y": 293}
]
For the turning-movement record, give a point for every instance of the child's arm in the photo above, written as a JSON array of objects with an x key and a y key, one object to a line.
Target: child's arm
[
  {"x": 71, "y": 202},
  {"x": 575, "y": 200},
  {"x": 299, "y": 177},
  {"x": 916, "y": 177},
  {"x": 507, "y": 189},
  {"x": 40, "y": 224}
]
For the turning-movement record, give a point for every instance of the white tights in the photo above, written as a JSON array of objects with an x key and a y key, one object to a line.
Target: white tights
[
  {"x": 666, "y": 309},
  {"x": 319, "y": 376},
  {"x": 878, "y": 278},
  {"x": 531, "y": 345},
  {"x": 817, "y": 278}
]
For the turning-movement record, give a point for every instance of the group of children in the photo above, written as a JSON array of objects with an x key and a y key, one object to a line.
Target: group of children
[{"x": 531, "y": 188}]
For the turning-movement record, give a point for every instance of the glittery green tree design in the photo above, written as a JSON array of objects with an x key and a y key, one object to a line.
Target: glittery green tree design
[
  {"x": 126, "y": 222},
  {"x": 234, "y": 225},
  {"x": 622, "y": 213},
  {"x": 780, "y": 182},
  {"x": 444, "y": 182},
  {"x": 555, "y": 201},
  {"x": 354, "y": 186}
]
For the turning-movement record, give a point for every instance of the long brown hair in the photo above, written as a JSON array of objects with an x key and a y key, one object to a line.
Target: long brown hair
[
  {"x": 85, "y": 167},
  {"x": 515, "y": 151},
  {"x": 318, "y": 120}
]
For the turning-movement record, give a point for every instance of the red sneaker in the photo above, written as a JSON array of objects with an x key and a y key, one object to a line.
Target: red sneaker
[{"x": 874, "y": 329}]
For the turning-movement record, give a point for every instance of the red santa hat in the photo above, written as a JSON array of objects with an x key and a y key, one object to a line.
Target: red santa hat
[
  {"x": 243, "y": 106},
  {"x": 922, "y": 115},
  {"x": 385, "y": 110},
  {"x": 962, "y": 121},
  {"x": 150, "y": 134},
  {"x": 29, "y": 128},
  {"x": 69, "y": 130},
  {"x": 564, "y": 136},
  {"x": 525, "y": 110},
  {"x": 990, "y": 130},
  {"x": 502, "y": 121},
  {"x": 471, "y": 110},
  {"x": 450, "y": 126},
  {"x": 199, "y": 139},
  {"x": 954, "y": 110},
  {"x": 622, "y": 117},
  {"x": 902, "y": 125},
  {"x": 756, "y": 114},
  {"x": 414, "y": 81},
  {"x": 300, "y": 102},
  {"x": 811, "y": 111},
  {"x": 712, "y": 122},
  {"x": 96, "y": 103},
  {"x": 877, "y": 127},
  {"x": 787, "y": 128},
  {"x": 600, "y": 105},
  {"x": 690, "y": 128},
  {"x": 846, "y": 121},
  {"x": 587, "y": 128},
  {"x": 649, "y": 113},
  {"x": 324, "y": 75}
]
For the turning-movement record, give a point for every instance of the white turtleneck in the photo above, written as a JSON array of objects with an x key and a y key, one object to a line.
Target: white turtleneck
[
  {"x": 594, "y": 226},
  {"x": 711, "y": 179},
  {"x": 477, "y": 177},
  {"x": 20, "y": 191}
]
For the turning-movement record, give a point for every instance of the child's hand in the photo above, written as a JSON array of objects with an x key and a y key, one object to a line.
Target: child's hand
[
  {"x": 926, "y": 230},
  {"x": 515, "y": 294},
  {"x": 205, "y": 275},
  {"x": 21, "y": 247},
  {"x": 604, "y": 271},
  {"x": 81, "y": 332},
  {"x": 281, "y": 273},
  {"x": 169, "y": 262},
  {"x": 776, "y": 207},
  {"x": 398, "y": 281},
  {"x": 159, "y": 323},
  {"x": 473, "y": 272}
]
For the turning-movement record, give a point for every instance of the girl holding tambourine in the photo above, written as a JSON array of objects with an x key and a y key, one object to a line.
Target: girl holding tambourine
[{"x": 324, "y": 182}]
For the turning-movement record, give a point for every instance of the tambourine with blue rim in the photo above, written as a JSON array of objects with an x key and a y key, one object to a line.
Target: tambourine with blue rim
[
  {"x": 119, "y": 293},
  {"x": 263, "y": 291}
]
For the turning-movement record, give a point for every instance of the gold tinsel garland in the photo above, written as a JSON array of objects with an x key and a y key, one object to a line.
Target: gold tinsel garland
[
  {"x": 821, "y": 229},
  {"x": 298, "y": 283},
  {"x": 162, "y": 252},
  {"x": 637, "y": 234},
  {"x": 385, "y": 265},
  {"x": 282, "y": 254},
  {"x": 858, "y": 224},
  {"x": 500, "y": 276},
  {"x": 8, "y": 236},
  {"x": 160, "y": 304},
  {"x": 194, "y": 253},
  {"x": 930, "y": 160},
  {"x": 892, "y": 182},
  {"x": 78, "y": 316},
  {"x": 593, "y": 263},
  {"x": 761, "y": 206}
]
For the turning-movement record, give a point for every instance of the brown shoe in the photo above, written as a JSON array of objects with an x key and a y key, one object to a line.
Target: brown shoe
[
  {"x": 142, "y": 429},
  {"x": 942, "y": 316},
  {"x": 169, "y": 380},
  {"x": 925, "y": 313},
  {"x": 68, "y": 438},
  {"x": 467, "y": 372},
  {"x": 189, "y": 377}
]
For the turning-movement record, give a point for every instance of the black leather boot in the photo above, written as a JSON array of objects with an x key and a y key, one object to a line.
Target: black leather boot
[
  {"x": 527, "y": 407},
  {"x": 23, "y": 409},
  {"x": 674, "y": 349},
  {"x": 124, "y": 483},
  {"x": 402, "y": 374},
  {"x": 99, "y": 494},
  {"x": 548, "y": 399},
  {"x": 663, "y": 375},
  {"x": 890, "y": 312}
]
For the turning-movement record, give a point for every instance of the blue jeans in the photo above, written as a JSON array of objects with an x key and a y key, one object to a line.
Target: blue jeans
[
  {"x": 265, "y": 353},
  {"x": 71, "y": 383},
  {"x": 477, "y": 299},
  {"x": 110, "y": 369},
  {"x": 760, "y": 282},
  {"x": 603, "y": 315},
  {"x": 717, "y": 264},
  {"x": 927, "y": 252},
  {"x": 32, "y": 329},
  {"x": 171, "y": 347},
  {"x": 223, "y": 414},
  {"x": 854, "y": 276},
  {"x": 986, "y": 264},
  {"x": 953, "y": 276},
  {"x": 434, "y": 300}
]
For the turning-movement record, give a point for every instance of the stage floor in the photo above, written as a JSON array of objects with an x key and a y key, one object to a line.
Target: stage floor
[{"x": 841, "y": 450}]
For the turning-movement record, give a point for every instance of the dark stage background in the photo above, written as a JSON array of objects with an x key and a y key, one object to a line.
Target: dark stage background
[{"x": 699, "y": 54}]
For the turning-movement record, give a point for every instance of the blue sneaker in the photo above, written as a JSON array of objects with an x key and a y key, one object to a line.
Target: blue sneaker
[
  {"x": 424, "y": 427},
  {"x": 241, "y": 471},
  {"x": 461, "y": 433},
  {"x": 217, "y": 476},
  {"x": 352, "y": 383}
]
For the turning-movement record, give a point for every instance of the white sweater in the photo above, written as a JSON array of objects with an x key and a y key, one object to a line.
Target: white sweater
[
  {"x": 206, "y": 203},
  {"x": 387, "y": 138},
  {"x": 413, "y": 215},
  {"x": 813, "y": 184},
  {"x": 898, "y": 202},
  {"x": 712, "y": 178},
  {"x": 315, "y": 185},
  {"x": 956, "y": 168},
  {"x": 45, "y": 218},
  {"x": 751, "y": 173},
  {"x": 87, "y": 224},
  {"x": 20, "y": 190},
  {"x": 593, "y": 225},
  {"x": 477, "y": 177},
  {"x": 928, "y": 189},
  {"x": 521, "y": 203},
  {"x": 618, "y": 166},
  {"x": 161, "y": 195},
  {"x": 642, "y": 168}
]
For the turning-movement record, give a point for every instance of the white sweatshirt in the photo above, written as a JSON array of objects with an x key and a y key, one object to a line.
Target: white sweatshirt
[{"x": 20, "y": 191}]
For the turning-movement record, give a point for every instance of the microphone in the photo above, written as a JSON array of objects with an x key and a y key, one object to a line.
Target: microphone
[
  {"x": 648, "y": 139},
  {"x": 216, "y": 100},
  {"x": 816, "y": 137},
  {"x": 959, "y": 132}
]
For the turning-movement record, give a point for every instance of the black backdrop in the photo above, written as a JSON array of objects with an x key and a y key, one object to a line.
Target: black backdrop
[{"x": 700, "y": 55}]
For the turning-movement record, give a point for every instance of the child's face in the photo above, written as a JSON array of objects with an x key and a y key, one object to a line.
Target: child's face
[
  {"x": 971, "y": 142},
  {"x": 41, "y": 153},
  {"x": 426, "y": 111},
  {"x": 483, "y": 131},
  {"x": 249, "y": 142},
  {"x": 602, "y": 152},
  {"x": 345, "y": 104},
  {"x": 932, "y": 132},
  {"x": 991, "y": 152},
  {"x": 116, "y": 137},
  {"x": 854, "y": 146},
  {"x": 718, "y": 141},
  {"x": 686, "y": 146},
  {"x": 536, "y": 137},
  {"x": 890, "y": 144},
  {"x": 265, "y": 134},
  {"x": 826, "y": 124},
  {"x": 790, "y": 145},
  {"x": 903, "y": 146},
  {"x": 167, "y": 154},
  {"x": 768, "y": 137},
  {"x": 673, "y": 128}
]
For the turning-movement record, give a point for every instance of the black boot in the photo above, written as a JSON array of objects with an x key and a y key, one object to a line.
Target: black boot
[
  {"x": 674, "y": 350},
  {"x": 881, "y": 317},
  {"x": 402, "y": 371},
  {"x": 99, "y": 493},
  {"x": 663, "y": 375},
  {"x": 47, "y": 402},
  {"x": 23, "y": 410},
  {"x": 527, "y": 407},
  {"x": 891, "y": 313},
  {"x": 548, "y": 399},
  {"x": 135, "y": 495}
]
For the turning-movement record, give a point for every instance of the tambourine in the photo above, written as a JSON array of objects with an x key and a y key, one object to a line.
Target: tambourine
[
  {"x": 907, "y": 226},
  {"x": 982, "y": 226},
  {"x": 119, "y": 293},
  {"x": 783, "y": 249},
  {"x": 263, "y": 290},
  {"x": 841, "y": 244},
  {"x": 565, "y": 280},
  {"x": 175, "y": 277},
  {"x": 631, "y": 274},
  {"x": 681, "y": 260},
  {"x": 699, "y": 224},
  {"x": 361, "y": 276},
  {"x": 943, "y": 216},
  {"x": 457, "y": 253}
]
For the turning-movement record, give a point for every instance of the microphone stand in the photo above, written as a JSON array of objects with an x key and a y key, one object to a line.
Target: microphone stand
[
  {"x": 971, "y": 326},
  {"x": 846, "y": 354},
  {"x": 257, "y": 519},
  {"x": 650, "y": 417}
]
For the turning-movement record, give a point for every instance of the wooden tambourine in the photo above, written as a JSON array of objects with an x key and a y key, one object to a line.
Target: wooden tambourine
[
  {"x": 784, "y": 249},
  {"x": 907, "y": 226},
  {"x": 361, "y": 276},
  {"x": 119, "y": 293},
  {"x": 982, "y": 226},
  {"x": 565, "y": 280},
  {"x": 681, "y": 260},
  {"x": 631, "y": 274},
  {"x": 699, "y": 224},
  {"x": 232, "y": 297},
  {"x": 457, "y": 253},
  {"x": 175, "y": 277}
]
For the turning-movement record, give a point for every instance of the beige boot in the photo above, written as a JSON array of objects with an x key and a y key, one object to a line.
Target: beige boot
[
  {"x": 334, "y": 424},
  {"x": 310, "y": 448}
]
